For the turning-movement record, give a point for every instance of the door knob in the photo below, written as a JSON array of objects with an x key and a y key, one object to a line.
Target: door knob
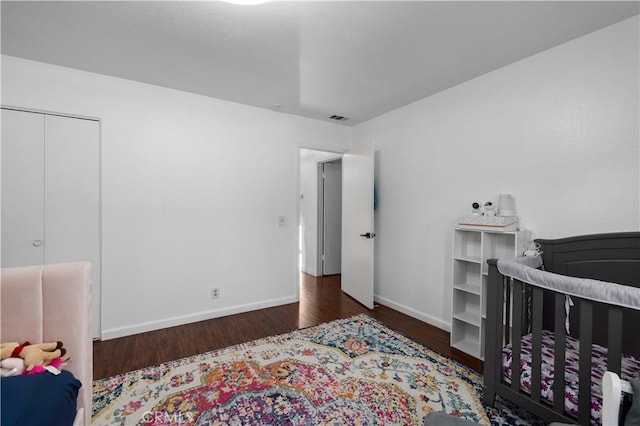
[
  {"x": 37, "y": 243},
  {"x": 368, "y": 235}
]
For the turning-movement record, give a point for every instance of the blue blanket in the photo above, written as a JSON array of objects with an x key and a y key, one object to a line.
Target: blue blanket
[{"x": 39, "y": 399}]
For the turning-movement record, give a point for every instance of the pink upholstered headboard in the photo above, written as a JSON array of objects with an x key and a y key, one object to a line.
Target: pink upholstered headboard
[{"x": 50, "y": 303}]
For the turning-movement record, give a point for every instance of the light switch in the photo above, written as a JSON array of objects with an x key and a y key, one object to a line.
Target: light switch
[{"x": 282, "y": 221}]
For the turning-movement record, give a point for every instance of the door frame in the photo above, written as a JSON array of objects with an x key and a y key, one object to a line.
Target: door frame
[{"x": 338, "y": 152}]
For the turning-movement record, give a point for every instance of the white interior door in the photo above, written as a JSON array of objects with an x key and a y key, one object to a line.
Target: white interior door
[
  {"x": 72, "y": 197},
  {"x": 332, "y": 217},
  {"x": 22, "y": 188},
  {"x": 357, "y": 224}
]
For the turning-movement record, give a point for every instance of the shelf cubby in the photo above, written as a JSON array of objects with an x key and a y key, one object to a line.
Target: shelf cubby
[{"x": 471, "y": 250}]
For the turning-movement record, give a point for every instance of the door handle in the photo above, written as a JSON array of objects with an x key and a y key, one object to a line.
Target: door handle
[
  {"x": 37, "y": 243},
  {"x": 368, "y": 235}
]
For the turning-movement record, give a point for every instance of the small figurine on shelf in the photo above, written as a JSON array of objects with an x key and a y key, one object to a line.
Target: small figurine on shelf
[{"x": 489, "y": 209}]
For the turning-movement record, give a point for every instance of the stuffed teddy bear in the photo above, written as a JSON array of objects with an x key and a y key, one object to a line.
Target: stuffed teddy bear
[
  {"x": 15, "y": 367},
  {"x": 33, "y": 355}
]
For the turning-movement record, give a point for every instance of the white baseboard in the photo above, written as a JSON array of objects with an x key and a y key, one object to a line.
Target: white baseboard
[
  {"x": 199, "y": 316},
  {"x": 436, "y": 322},
  {"x": 206, "y": 315},
  {"x": 310, "y": 272}
]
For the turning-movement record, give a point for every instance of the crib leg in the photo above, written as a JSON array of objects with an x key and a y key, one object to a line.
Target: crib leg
[{"x": 488, "y": 396}]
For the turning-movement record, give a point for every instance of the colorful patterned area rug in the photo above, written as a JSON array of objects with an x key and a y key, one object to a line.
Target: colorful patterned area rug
[{"x": 346, "y": 372}]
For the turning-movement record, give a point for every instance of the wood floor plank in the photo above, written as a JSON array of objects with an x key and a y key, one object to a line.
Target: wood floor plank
[{"x": 321, "y": 300}]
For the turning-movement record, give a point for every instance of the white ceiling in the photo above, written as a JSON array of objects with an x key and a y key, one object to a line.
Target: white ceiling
[{"x": 313, "y": 58}]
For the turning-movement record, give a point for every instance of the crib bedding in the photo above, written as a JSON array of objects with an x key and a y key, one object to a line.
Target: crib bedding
[
  {"x": 630, "y": 369},
  {"x": 39, "y": 399}
]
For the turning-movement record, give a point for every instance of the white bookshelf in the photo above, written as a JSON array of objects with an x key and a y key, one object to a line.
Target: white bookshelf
[{"x": 471, "y": 249}]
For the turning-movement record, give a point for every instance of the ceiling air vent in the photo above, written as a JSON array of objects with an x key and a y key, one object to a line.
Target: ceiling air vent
[{"x": 338, "y": 118}]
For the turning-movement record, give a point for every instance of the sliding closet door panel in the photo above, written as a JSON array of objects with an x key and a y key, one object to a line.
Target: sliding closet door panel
[
  {"x": 72, "y": 196},
  {"x": 22, "y": 153}
]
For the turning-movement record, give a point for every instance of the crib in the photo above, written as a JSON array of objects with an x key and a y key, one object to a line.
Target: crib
[{"x": 575, "y": 309}]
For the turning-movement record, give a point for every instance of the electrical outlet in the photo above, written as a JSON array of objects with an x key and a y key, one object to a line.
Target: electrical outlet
[{"x": 215, "y": 293}]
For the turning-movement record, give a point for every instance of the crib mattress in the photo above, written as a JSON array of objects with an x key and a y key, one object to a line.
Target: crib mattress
[{"x": 630, "y": 368}]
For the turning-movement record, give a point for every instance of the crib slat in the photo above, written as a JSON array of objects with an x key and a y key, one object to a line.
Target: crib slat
[
  {"x": 494, "y": 333},
  {"x": 559, "y": 348},
  {"x": 507, "y": 309},
  {"x": 586, "y": 337},
  {"x": 614, "y": 339},
  {"x": 536, "y": 343},
  {"x": 516, "y": 330}
]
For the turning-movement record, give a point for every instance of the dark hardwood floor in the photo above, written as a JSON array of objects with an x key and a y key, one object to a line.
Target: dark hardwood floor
[{"x": 321, "y": 300}]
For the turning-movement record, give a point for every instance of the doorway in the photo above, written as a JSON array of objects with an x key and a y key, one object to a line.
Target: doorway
[
  {"x": 356, "y": 219},
  {"x": 320, "y": 201}
]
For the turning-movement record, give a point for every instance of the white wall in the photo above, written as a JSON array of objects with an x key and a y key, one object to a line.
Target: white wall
[
  {"x": 558, "y": 130},
  {"x": 192, "y": 188}
]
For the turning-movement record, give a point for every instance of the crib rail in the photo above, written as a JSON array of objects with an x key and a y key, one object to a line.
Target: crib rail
[{"x": 515, "y": 309}]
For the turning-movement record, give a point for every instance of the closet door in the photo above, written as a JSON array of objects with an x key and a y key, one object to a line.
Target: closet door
[
  {"x": 51, "y": 193},
  {"x": 22, "y": 188},
  {"x": 72, "y": 196},
  {"x": 72, "y": 190}
]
